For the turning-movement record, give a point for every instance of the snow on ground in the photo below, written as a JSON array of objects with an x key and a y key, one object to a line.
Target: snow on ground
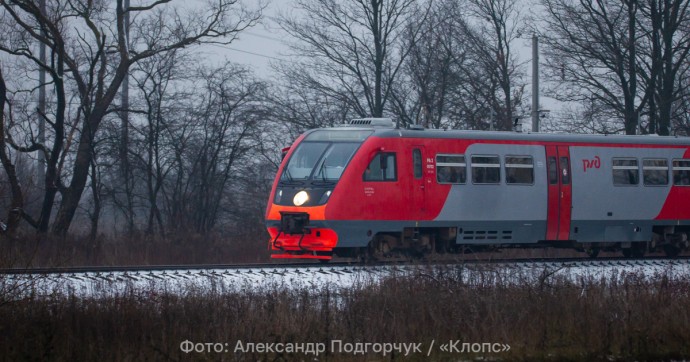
[{"x": 101, "y": 285}]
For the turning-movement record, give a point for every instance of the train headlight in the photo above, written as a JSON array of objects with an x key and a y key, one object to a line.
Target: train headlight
[
  {"x": 300, "y": 198},
  {"x": 279, "y": 196},
  {"x": 325, "y": 197}
]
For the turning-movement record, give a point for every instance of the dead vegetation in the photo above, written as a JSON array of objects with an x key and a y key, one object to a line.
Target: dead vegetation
[
  {"x": 620, "y": 317},
  {"x": 181, "y": 249}
]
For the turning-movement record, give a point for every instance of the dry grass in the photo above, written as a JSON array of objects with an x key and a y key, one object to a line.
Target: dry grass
[
  {"x": 249, "y": 247},
  {"x": 30, "y": 251},
  {"x": 622, "y": 317}
]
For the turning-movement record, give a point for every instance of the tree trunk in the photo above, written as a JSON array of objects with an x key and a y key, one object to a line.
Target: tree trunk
[
  {"x": 71, "y": 196},
  {"x": 51, "y": 175},
  {"x": 80, "y": 173},
  {"x": 14, "y": 214}
]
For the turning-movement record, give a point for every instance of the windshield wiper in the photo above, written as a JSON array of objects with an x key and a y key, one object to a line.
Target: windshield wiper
[
  {"x": 290, "y": 180},
  {"x": 287, "y": 173},
  {"x": 322, "y": 172}
]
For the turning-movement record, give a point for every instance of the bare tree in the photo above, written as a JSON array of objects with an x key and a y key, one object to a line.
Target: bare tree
[
  {"x": 629, "y": 54},
  {"x": 18, "y": 43},
  {"x": 87, "y": 43},
  {"x": 500, "y": 26},
  {"x": 429, "y": 67},
  {"x": 156, "y": 80},
  {"x": 593, "y": 47},
  {"x": 664, "y": 58},
  {"x": 456, "y": 74},
  {"x": 17, "y": 200},
  {"x": 681, "y": 121},
  {"x": 211, "y": 141},
  {"x": 352, "y": 51},
  {"x": 295, "y": 103}
]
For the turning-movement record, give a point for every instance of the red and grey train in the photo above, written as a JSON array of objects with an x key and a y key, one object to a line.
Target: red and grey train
[{"x": 371, "y": 189}]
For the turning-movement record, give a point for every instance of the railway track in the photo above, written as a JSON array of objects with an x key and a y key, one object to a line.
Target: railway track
[
  {"x": 106, "y": 281},
  {"x": 147, "y": 268},
  {"x": 273, "y": 268}
]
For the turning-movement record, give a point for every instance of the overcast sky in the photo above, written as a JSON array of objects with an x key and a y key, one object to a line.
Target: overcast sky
[
  {"x": 266, "y": 43},
  {"x": 257, "y": 47}
]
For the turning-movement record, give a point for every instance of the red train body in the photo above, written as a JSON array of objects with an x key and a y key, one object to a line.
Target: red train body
[{"x": 352, "y": 191}]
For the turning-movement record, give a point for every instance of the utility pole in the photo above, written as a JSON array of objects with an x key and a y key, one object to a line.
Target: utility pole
[
  {"x": 41, "y": 163},
  {"x": 492, "y": 117},
  {"x": 535, "y": 84}
]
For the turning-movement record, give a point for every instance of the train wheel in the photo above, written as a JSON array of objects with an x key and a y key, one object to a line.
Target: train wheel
[
  {"x": 638, "y": 252},
  {"x": 671, "y": 250},
  {"x": 592, "y": 252},
  {"x": 440, "y": 246},
  {"x": 366, "y": 255},
  {"x": 374, "y": 252},
  {"x": 382, "y": 247}
]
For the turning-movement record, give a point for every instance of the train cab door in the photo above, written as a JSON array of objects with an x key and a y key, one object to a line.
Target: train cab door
[
  {"x": 419, "y": 182},
  {"x": 560, "y": 193}
]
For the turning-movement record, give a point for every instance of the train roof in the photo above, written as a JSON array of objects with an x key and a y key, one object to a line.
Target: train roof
[{"x": 523, "y": 137}]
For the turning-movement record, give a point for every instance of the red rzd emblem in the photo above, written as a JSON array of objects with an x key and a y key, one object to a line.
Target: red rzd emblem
[{"x": 594, "y": 163}]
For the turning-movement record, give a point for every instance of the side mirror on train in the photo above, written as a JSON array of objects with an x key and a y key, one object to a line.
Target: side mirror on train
[{"x": 284, "y": 153}]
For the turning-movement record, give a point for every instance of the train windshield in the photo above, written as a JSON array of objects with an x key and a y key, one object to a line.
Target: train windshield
[
  {"x": 323, "y": 156},
  {"x": 319, "y": 161}
]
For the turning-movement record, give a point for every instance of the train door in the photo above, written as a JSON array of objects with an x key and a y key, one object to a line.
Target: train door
[
  {"x": 418, "y": 182},
  {"x": 560, "y": 193}
]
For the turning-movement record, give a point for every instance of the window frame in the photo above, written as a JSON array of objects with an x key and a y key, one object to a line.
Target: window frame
[
  {"x": 417, "y": 167},
  {"x": 552, "y": 170},
  {"x": 486, "y": 166},
  {"x": 680, "y": 168},
  {"x": 395, "y": 165},
  {"x": 655, "y": 168},
  {"x": 518, "y": 166},
  {"x": 462, "y": 165},
  {"x": 614, "y": 168}
]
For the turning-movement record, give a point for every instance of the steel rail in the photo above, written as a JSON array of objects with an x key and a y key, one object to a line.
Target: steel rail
[{"x": 562, "y": 262}]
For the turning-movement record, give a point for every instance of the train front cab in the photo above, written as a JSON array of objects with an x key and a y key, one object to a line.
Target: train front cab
[{"x": 308, "y": 176}]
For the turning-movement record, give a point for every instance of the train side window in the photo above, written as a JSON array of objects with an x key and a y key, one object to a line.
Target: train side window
[
  {"x": 626, "y": 172},
  {"x": 417, "y": 163},
  {"x": 381, "y": 168},
  {"x": 565, "y": 170},
  {"x": 681, "y": 172},
  {"x": 553, "y": 171},
  {"x": 486, "y": 170},
  {"x": 519, "y": 170},
  {"x": 451, "y": 169},
  {"x": 655, "y": 172}
]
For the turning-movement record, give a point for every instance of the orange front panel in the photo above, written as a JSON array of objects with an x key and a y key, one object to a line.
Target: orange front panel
[{"x": 318, "y": 239}]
